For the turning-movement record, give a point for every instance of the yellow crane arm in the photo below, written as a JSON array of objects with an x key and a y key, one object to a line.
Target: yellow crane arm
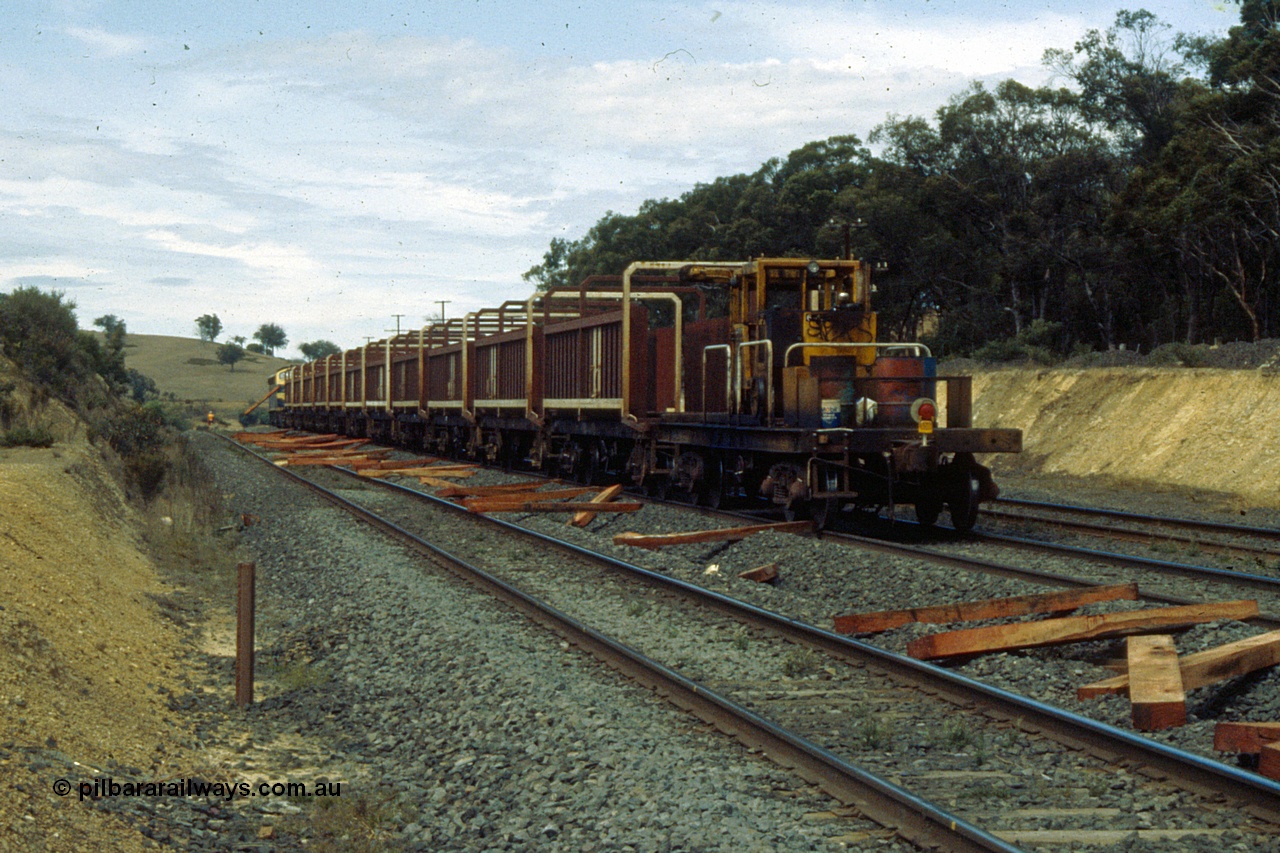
[{"x": 265, "y": 398}]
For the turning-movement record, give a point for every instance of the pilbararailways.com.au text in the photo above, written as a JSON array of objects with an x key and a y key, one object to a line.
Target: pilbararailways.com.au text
[{"x": 109, "y": 787}]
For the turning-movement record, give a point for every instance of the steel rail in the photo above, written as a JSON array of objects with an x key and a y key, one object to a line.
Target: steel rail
[
  {"x": 1040, "y": 576},
  {"x": 1097, "y": 528},
  {"x": 1108, "y": 742},
  {"x": 1189, "y": 570},
  {"x": 1261, "y": 583},
  {"x": 1193, "y": 523},
  {"x": 914, "y": 818}
]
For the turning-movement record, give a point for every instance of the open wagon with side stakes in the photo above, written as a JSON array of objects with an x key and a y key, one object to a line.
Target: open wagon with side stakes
[{"x": 753, "y": 381}]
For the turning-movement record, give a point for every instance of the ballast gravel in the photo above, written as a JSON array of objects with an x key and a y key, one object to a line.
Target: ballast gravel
[
  {"x": 819, "y": 579},
  {"x": 482, "y": 731},
  {"x": 849, "y": 709}
]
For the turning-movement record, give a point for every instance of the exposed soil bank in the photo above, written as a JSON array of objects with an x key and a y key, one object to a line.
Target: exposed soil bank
[
  {"x": 1202, "y": 429},
  {"x": 87, "y": 662}
]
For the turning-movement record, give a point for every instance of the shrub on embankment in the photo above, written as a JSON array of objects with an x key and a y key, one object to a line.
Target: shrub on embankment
[{"x": 61, "y": 380}]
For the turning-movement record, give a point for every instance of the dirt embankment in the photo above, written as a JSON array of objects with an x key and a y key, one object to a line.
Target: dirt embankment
[
  {"x": 1202, "y": 429},
  {"x": 86, "y": 662}
]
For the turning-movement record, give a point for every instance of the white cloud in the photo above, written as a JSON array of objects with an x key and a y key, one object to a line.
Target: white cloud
[
  {"x": 275, "y": 261},
  {"x": 448, "y": 205},
  {"x": 872, "y": 41},
  {"x": 105, "y": 44},
  {"x": 137, "y": 204},
  {"x": 54, "y": 268},
  {"x": 357, "y": 174}
]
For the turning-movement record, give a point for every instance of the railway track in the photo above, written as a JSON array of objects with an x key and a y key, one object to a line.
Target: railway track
[
  {"x": 1227, "y": 543},
  {"x": 1160, "y": 581},
  {"x": 1189, "y": 568},
  {"x": 1164, "y": 581},
  {"x": 915, "y": 818},
  {"x": 874, "y": 699},
  {"x": 1119, "y": 516}
]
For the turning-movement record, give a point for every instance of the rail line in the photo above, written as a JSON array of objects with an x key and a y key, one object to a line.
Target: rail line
[
  {"x": 1138, "y": 527},
  {"x": 1197, "y": 773},
  {"x": 914, "y": 818},
  {"x": 1156, "y": 573},
  {"x": 1059, "y": 579},
  {"x": 943, "y": 553},
  {"x": 1121, "y": 515},
  {"x": 1265, "y": 584}
]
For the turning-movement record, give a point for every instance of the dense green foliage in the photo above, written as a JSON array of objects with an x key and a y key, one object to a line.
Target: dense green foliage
[
  {"x": 316, "y": 350},
  {"x": 271, "y": 336},
  {"x": 40, "y": 335},
  {"x": 1136, "y": 205},
  {"x": 208, "y": 326},
  {"x": 27, "y": 436},
  {"x": 230, "y": 353}
]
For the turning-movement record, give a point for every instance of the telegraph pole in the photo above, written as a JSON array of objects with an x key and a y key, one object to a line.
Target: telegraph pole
[{"x": 442, "y": 303}]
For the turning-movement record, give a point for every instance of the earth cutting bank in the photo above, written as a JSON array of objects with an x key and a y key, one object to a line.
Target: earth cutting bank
[{"x": 1154, "y": 428}]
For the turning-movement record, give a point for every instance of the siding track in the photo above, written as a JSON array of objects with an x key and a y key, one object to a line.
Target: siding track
[{"x": 851, "y": 713}]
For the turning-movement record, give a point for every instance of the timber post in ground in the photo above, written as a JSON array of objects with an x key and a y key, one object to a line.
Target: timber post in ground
[{"x": 244, "y": 633}]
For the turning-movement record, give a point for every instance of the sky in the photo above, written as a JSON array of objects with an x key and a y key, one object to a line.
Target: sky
[{"x": 343, "y": 169}]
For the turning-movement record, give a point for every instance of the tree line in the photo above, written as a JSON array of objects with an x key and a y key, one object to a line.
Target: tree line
[
  {"x": 1135, "y": 203},
  {"x": 269, "y": 338}
]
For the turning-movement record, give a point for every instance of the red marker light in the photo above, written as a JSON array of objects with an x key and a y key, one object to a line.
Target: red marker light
[{"x": 927, "y": 411}]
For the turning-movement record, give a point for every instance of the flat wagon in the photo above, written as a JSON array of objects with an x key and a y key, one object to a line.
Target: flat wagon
[{"x": 757, "y": 380}]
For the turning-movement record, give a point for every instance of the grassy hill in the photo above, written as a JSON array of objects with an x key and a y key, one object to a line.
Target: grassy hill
[{"x": 188, "y": 369}]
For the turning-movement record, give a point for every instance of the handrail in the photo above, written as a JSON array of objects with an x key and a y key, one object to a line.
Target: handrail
[
  {"x": 328, "y": 368},
  {"x": 530, "y": 415},
  {"x": 786, "y": 357},
  {"x": 465, "y": 378},
  {"x": 678, "y": 306},
  {"x": 364, "y": 377},
  {"x": 386, "y": 382},
  {"x": 737, "y": 391},
  {"x": 728, "y": 374},
  {"x": 625, "y": 413}
]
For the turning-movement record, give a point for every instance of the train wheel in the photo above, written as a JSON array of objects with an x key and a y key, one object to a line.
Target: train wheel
[
  {"x": 579, "y": 467},
  {"x": 965, "y": 496},
  {"x": 457, "y": 443},
  {"x": 510, "y": 452},
  {"x": 597, "y": 463}
]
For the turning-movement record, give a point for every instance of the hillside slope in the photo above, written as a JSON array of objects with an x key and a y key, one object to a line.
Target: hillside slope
[
  {"x": 1205, "y": 429},
  {"x": 189, "y": 369}
]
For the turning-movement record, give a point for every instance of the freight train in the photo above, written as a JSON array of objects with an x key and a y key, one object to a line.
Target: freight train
[{"x": 755, "y": 381}]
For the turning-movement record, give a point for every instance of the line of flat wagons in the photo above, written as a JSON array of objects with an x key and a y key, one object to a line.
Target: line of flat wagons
[{"x": 757, "y": 381}]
